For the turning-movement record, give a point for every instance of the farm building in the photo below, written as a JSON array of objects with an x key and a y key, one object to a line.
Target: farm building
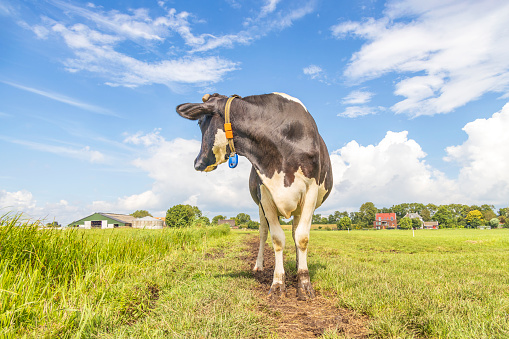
[
  {"x": 230, "y": 222},
  {"x": 112, "y": 220},
  {"x": 385, "y": 220},
  {"x": 431, "y": 225}
]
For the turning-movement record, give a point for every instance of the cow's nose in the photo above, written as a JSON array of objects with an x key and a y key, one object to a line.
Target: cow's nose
[{"x": 199, "y": 165}]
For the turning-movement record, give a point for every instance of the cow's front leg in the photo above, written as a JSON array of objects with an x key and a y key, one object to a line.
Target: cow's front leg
[
  {"x": 263, "y": 238},
  {"x": 278, "y": 287},
  {"x": 277, "y": 234},
  {"x": 304, "y": 287}
]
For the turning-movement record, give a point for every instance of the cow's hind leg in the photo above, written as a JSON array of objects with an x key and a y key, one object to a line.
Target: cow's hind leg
[
  {"x": 304, "y": 287},
  {"x": 295, "y": 223},
  {"x": 263, "y": 238}
]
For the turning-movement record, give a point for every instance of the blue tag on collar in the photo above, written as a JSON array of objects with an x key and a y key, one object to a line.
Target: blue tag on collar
[{"x": 233, "y": 160}]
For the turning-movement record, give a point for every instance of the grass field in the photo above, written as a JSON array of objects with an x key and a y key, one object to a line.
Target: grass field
[{"x": 193, "y": 283}]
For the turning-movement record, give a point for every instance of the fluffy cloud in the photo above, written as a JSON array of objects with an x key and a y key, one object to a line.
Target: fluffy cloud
[
  {"x": 313, "y": 71},
  {"x": 390, "y": 172},
  {"x": 170, "y": 163},
  {"x": 450, "y": 53},
  {"x": 357, "y": 97},
  {"x": 483, "y": 158},
  {"x": 23, "y": 202}
]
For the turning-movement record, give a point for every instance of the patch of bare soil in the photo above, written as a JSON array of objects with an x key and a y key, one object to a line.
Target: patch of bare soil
[{"x": 302, "y": 319}]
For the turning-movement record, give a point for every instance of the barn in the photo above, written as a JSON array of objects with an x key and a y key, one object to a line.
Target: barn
[{"x": 113, "y": 220}]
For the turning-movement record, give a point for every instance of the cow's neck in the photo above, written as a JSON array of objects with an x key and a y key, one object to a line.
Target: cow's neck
[{"x": 254, "y": 141}]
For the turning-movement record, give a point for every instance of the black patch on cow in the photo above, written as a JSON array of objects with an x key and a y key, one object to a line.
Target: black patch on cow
[{"x": 293, "y": 131}]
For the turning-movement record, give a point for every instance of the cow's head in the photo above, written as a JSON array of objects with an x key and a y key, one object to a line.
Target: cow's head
[{"x": 210, "y": 116}]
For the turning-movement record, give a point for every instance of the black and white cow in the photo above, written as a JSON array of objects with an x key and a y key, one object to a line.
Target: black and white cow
[{"x": 291, "y": 173}]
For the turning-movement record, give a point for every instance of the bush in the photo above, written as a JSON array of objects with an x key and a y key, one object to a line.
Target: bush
[{"x": 180, "y": 216}]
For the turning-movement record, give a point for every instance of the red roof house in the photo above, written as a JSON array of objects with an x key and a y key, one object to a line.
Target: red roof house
[{"x": 385, "y": 220}]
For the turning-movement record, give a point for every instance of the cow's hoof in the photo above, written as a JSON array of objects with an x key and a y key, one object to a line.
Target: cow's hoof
[
  {"x": 277, "y": 291},
  {"x": 257, "y": 269},
  {"x": 305, "y": 290}
]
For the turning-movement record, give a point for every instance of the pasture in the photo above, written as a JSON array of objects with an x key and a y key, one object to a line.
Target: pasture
[{"x": 197, "y": 283}]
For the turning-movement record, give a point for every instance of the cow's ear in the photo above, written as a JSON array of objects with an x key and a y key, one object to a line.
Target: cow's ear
[
  {"x": 196, "y": 111},
  {"x": 193, "y": 111}
]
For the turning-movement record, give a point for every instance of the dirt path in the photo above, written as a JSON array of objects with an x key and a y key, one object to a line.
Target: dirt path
[{"x": 302, "y": 319}]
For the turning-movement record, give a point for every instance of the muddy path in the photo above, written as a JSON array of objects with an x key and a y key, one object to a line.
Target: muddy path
[{"x": 302, "y": 319}]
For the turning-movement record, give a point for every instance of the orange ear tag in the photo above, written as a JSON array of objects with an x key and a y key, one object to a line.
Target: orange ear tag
[{"x": 228, "y": 130}]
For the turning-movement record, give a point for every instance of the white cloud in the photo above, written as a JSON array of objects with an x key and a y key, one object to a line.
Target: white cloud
[
  {"x": 97, "y": 41},
  {"x": 313, "y": 71},
  {"x": 19, "y": 200},
  {"x": 84, "y": 153},
  {"x": 357, "y": 97},
  {"x": 450, "y": 52},
  {"x": 484, "y": 158},
  {"x": 95, "y": 53},
  {"x": 62, "y": 98},
  {"x": 359, "y": 111},
  {"x": 171, "y": 165},
  {"x": 391, "y": 172}
]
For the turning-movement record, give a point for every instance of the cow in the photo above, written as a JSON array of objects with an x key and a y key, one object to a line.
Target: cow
[{"x": 291, "y": 172}]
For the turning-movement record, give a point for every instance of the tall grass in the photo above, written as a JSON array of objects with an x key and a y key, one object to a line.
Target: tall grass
[{"x": 56, "y": 282}]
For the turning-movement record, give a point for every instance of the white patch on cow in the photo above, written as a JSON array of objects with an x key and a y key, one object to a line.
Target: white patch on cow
[
  {"x": 219, "y": 149},
  {"x": 290, "y": 199},
  {"x": 289, "y": 97}
]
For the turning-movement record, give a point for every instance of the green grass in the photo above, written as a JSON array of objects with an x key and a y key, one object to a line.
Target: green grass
[
  {"x": 186, "y": 283},
  {"x": 192, "y": 282},
  {"x": 438, "y": 284}
]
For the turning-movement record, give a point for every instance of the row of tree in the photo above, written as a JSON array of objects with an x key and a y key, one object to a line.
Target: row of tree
[
  {"x": 186, "y": 215},
  {"x": 452, "y": 215},
  {"x": 448, "y": 216}
]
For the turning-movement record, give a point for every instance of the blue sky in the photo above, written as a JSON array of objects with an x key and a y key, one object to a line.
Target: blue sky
[{"x": 409, "y": 96}]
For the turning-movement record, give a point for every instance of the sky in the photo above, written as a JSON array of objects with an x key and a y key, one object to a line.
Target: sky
[{"x": 411, "y": 98}]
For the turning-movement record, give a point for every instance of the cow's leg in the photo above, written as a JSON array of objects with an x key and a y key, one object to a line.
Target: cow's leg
[
  {"x": 295, "y": 223},
  {"x": 277, "y": 234},
  {"x": 263, "y": 238},
  {"x": 304, "y": 287}
]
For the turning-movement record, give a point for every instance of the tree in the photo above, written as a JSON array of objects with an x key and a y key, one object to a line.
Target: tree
[
  {"x": 425, "y": 214},
  {"x": 494, "y": 223},
  {"x": 474, "y": 218},
  {"x": 53, "y": 224},
  {"x": 140, "y": 214},
  {"x": 344, "y": 223},
  {"x": 317, "y": 218},
  {"x": 202, "y": 221},
  {"x": 444, "y": 217},
  {"x": 254, "y": 225},
  {"x": 242, "y": 218},
  {"x": 368, "y": 213},
  {"x": 180, "y": 216},
  {"x": 217, "y": 218},
  {"x": 405, "y": 223},
  {"x": 416, "y": 223}
]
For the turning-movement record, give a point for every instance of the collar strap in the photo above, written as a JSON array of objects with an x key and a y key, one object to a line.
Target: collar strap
[{"x": 227, "y": 124}]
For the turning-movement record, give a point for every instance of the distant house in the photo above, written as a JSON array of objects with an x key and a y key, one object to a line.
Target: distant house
[
  {"x": 385, "y": 220},
  {"x": 414, "y": 216},
  {"x": 230, "y": 222},
  {"x": 430, "y": 225},
  {"x": 113, "y": 220}
]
